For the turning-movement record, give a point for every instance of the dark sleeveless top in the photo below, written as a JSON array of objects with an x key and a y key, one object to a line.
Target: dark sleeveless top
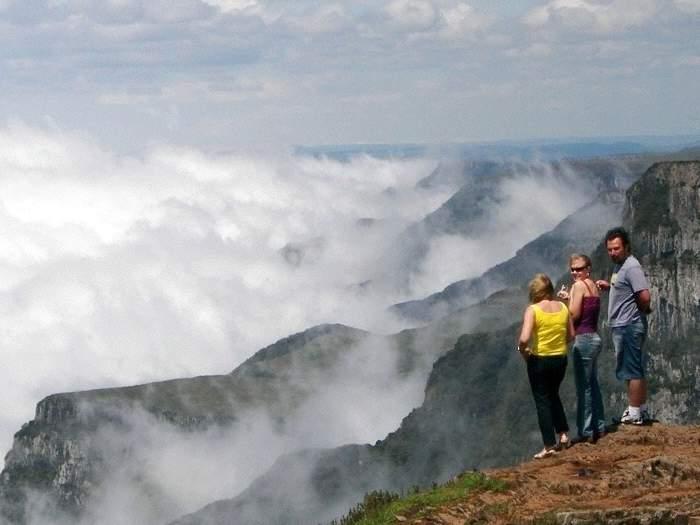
[{"x": 590, "y": 309}]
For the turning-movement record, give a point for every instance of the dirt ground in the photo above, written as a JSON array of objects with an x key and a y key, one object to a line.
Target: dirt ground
[{"x": 635, "y": 475}]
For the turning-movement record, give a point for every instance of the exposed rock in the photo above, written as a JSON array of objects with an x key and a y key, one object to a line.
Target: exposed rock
[
  {"x": 663, "y": 211},
  {"x": 552, "y": 491}
]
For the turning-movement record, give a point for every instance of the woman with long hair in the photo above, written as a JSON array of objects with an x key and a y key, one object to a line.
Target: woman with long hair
[
  {"x": 544, "y": 337},
  {"x": 584, "y": 306}
]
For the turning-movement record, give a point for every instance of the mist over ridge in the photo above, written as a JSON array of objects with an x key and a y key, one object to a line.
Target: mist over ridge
[
  {"x": 474, "y": 396},
  {"x": 121, "y": 270}
]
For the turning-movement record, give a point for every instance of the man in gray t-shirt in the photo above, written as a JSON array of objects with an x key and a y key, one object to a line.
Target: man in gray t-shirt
[{"x": 628, "y": 306}]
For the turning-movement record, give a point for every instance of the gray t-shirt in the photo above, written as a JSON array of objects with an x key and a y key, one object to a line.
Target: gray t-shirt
[{"x": 626, "y": 280}]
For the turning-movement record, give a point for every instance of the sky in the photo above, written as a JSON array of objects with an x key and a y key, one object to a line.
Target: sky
[{"x": 265, "y": 75}]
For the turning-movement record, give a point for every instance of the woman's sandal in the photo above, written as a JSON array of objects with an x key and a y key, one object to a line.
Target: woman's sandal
[
  {"x": 545, "y": 453},
  {"x": 564, "y": 441}
]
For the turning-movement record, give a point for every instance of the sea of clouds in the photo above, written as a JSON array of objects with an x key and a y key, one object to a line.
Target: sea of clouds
[{"x": 120, "y": 270}]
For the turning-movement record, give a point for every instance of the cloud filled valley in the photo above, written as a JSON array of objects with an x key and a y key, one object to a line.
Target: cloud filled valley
[{"x": 119, "y": 271}]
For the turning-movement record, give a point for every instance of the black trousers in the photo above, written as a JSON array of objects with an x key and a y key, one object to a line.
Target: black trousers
[{"x": 546, "y": 374}]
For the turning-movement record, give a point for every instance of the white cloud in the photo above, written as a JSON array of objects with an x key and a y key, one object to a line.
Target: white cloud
[
  {"x": 605, "y": 17},
  {"x": 190, "y": 71},
  {"x": 328, "y": 18},
  {"x": 235, "y": 5},
  {"x": 415, "y": 15},
  {"x": 688, "y": 6},
  {"x": 461, "y": 20},
  {"x": 446, "y": 19},
  {"x": 505, "y": 224},
  {"x": 119, "y": 270}
]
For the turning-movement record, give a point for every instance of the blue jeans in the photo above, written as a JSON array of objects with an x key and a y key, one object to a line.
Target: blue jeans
[
  {"x": 590, "y": 416},
  {"x": 629, "y": 350}
]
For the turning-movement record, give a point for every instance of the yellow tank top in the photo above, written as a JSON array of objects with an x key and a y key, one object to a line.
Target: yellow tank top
[{"x": 550, "y": 332}]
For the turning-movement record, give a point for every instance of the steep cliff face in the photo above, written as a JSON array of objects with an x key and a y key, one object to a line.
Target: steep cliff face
[
  {"x": 50, "y": 462},
  {"x": 663, "y": 212}
]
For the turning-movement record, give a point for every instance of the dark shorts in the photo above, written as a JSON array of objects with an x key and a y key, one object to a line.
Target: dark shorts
[{"x": 629, "y": 350}]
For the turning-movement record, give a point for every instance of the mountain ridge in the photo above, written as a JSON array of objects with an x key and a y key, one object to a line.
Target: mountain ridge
[
  {"x": 340, "y": 476},
  {"x": 424, "y": 448},
  {"x": 580, "y": 231}
]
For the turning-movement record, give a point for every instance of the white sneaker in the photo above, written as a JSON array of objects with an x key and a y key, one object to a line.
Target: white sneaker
[{"x": 628, "y": 419}]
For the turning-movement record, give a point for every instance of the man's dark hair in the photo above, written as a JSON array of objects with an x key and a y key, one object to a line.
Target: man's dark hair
[{"x": 620, "y": 233}]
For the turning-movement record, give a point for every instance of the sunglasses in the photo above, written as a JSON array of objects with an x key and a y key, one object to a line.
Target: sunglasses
[{"x": 579, "y": 269}]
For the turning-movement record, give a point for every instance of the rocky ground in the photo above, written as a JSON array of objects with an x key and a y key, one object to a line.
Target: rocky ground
[{"x": 635, "y": 475}]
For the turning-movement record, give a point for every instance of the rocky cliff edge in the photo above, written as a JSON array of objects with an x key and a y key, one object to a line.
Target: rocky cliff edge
[{"x": 633, "y": 476}]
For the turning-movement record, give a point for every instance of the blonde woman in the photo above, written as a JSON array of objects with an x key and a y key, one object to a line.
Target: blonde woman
[
  {"x": 584, "y": 305},
  {"x": 546, "y": 331}
]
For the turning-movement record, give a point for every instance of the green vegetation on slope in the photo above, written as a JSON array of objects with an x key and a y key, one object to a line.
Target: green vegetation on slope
[{"x": 383, "y": 508}]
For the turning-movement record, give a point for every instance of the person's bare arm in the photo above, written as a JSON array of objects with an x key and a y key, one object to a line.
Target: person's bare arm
[
  {"x": 602, "y": 284},
  {"x": 576, "y": 300},
  {"x": 643, "y": 298},
  {"x": 570, "y": 333},
  {"x": 526, "y": 330}
]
